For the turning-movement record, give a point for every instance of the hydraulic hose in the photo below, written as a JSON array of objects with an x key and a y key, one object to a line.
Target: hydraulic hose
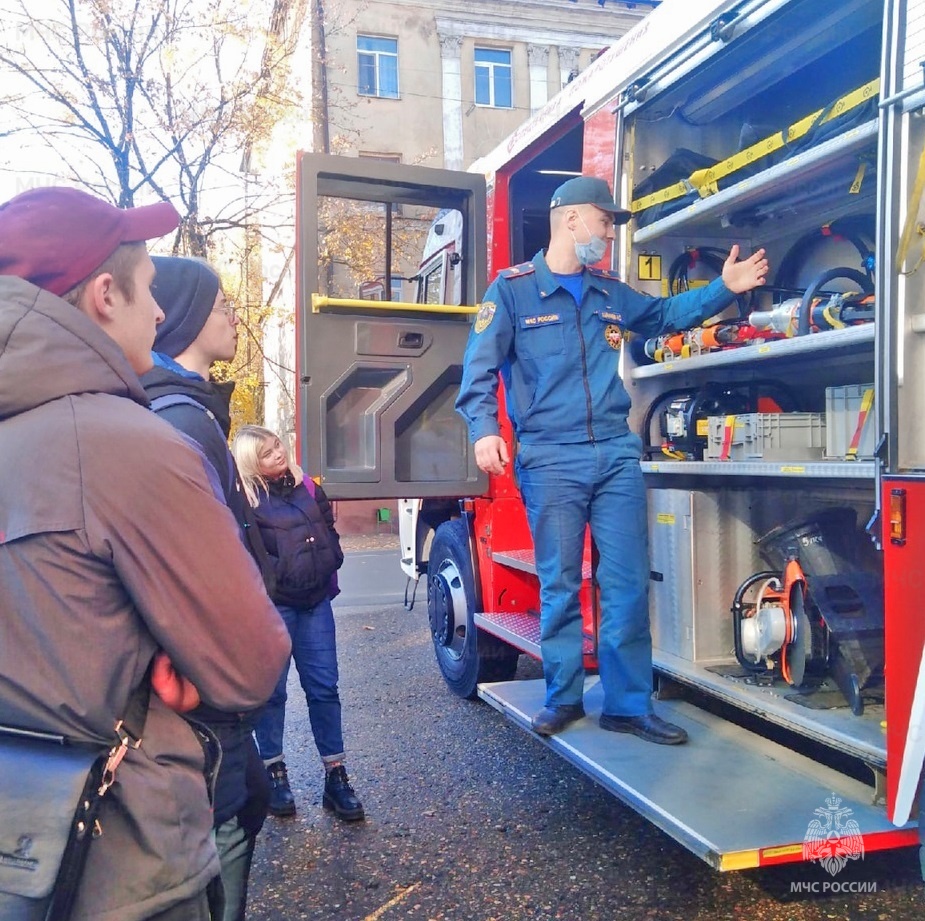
[
  {"x": 710, "y": 256},
  {"x": 856, "y": 230},
  {"x": 806, "y": 305}
]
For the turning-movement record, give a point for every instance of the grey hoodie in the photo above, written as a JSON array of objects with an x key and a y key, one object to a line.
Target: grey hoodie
[{"x": 112, "y": 545}]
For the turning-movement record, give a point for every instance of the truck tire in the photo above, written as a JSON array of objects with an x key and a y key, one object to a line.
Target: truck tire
[{"x": 465, "y": 655}]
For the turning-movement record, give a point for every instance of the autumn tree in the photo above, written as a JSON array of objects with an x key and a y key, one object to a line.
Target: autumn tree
[
  {"x": 168, "y": 99},
  {"x": 141, "y": 98},
  {"x": 181, "y": 100}
]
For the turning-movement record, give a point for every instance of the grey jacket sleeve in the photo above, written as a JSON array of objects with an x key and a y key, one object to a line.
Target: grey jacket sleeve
[{"x": 178, "y": 552}]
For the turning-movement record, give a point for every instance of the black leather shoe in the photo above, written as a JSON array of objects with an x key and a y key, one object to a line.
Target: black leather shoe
[
  {"x": 282, "y": 802},
  {"x": 551, "y": 720},
  {"x": 650, "y": 727},
  {"x": 339, "y": 796}
]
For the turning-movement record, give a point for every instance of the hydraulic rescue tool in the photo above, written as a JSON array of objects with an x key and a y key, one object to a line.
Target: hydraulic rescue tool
[{"x": 816, "y": 611}]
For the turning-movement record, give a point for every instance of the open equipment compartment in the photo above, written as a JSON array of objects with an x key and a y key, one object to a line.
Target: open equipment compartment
[{"x": 770, "y": 142}]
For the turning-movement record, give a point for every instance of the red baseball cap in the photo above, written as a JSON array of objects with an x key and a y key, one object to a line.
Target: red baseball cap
[{"x": 55, "y": 237}]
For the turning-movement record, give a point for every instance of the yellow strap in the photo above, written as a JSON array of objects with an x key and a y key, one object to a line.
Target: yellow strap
[
  {"x": 728, "y": 434},
  {"x": 867, "y": 400},
  {"x": 855, "y": 187},
  {"x": 669, "y": 193},
  {"x": 706, "y": 180},
  {"x": 911, "y": 223},
  {"x": 832, "y": 316}
]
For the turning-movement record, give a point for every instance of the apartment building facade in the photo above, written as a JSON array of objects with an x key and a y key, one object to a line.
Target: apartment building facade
[
  {"x": 435, "y": 84},
  {"x": 442, "y": 83}
]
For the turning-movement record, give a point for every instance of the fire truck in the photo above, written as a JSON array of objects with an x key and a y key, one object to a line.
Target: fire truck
[{"x": 784, "y": 451}]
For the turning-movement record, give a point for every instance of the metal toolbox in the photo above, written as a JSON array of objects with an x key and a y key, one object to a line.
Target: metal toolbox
[
  {"x": 698, "y": 551},
  {"x": 766, "y": 436},
  {"x": 849, "y": 422}
]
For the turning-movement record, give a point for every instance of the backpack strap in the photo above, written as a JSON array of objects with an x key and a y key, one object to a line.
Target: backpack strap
[
  {"x": 167, "y": 400},
  {"x": 249, "y": 526}
]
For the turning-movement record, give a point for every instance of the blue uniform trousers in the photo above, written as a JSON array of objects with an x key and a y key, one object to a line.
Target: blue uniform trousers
[{"x": 566, "y": 487}]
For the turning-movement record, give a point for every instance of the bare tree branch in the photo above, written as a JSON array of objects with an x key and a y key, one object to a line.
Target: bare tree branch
[{"x": 172, "y": 98}]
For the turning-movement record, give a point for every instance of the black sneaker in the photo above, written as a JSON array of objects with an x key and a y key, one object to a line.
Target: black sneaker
[
  {"x": 281, "y": 801},
  {"x": 339, "y": 796}
]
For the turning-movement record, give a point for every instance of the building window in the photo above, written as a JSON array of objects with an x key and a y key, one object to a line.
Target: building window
[
  {"x": 493, "y": 78},
  {"x": 377, "y": 66}
]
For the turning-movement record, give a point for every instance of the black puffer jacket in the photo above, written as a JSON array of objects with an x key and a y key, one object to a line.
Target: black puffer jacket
[{"x": 297, "y": 527}]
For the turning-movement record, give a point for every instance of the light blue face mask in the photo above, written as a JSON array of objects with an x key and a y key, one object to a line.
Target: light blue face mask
[{"x": 591, "y": 252}]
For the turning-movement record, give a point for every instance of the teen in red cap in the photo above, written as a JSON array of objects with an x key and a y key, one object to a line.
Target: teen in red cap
[
  {"x": 87, "y": 251},
  {"x": 107, "y": 523}
]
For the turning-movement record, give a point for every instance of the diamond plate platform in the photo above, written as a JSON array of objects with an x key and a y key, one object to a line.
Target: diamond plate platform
[
  {"x": 520, "y": 630},
  {"x": 525, "y": 561}
]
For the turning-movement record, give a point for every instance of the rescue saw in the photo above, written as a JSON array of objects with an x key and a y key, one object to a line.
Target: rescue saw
[
  {"x": 773, "y": 631},
  {"x": 816, "y": 611}
]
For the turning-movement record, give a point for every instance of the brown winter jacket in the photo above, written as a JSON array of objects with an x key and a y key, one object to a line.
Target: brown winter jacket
[{"x": 112, "y": 545}]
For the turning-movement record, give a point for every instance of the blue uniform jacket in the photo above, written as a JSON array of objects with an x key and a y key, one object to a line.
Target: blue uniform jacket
[{"x": 558, "y": 360}]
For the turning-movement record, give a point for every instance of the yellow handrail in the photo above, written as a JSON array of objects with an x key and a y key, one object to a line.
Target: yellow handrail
[{"x": 320, "y": 301}]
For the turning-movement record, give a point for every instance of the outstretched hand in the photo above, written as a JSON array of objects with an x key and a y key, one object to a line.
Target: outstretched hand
[{"x": 740, "y": 277}]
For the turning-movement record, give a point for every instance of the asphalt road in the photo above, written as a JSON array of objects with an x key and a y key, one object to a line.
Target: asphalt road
[{"x": 470, "y": 819}]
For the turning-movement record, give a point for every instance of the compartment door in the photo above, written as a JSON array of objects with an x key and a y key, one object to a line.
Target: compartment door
[
  {"x": 378, "y": 372},
  {"x": 900, "y": 388}
]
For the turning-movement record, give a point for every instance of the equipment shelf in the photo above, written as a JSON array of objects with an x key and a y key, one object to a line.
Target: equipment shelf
[
  {"x": 798, "y": 180},
  {"x": 840, "y": 470},
  {"x": 850, "y": 338},
  {"x": 838, "y": 728}
]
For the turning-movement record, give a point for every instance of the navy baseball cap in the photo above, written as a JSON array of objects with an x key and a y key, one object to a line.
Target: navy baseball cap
[{"x": 589, "y": 190}]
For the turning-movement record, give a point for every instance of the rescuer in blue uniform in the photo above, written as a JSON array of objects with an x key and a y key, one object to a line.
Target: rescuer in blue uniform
[{"x": 552, "y": 328}]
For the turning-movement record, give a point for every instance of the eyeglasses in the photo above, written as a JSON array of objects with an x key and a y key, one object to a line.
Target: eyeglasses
[{"x": 230, "y": 309}]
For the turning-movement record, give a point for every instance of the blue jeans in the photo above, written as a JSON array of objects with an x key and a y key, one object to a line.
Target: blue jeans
[
  {"x": 565, "y": 488},
  {"x": 315, "y": 652}
]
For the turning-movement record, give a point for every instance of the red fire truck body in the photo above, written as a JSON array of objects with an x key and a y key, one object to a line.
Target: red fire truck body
[{"x": 788, "y": 124}]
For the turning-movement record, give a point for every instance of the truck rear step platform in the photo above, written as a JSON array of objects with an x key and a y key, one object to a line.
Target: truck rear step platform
[{"x": 733, "y": 798}]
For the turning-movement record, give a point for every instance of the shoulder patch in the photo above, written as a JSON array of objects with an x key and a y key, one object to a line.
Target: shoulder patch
[
  {"x": 516, "y": 271},
  {"x": 605, "y": 273},
  {"x": 484, "y": 317}
]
